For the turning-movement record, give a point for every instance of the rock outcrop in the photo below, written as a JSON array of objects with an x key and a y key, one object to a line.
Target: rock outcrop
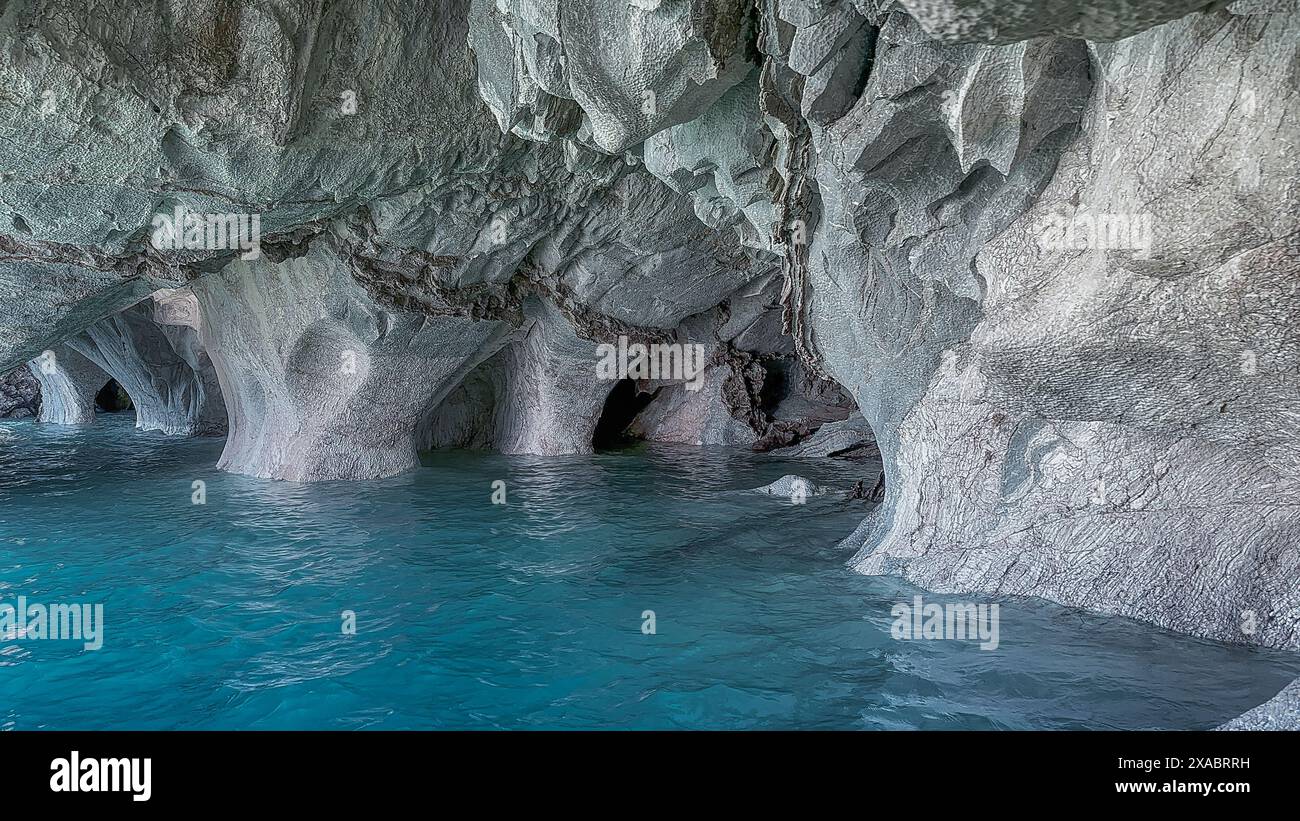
[
  {"x": 1282, "y": 712},
  {"x": 1107, "y": 431},
  {"x": 1047, "y": 250},
  {"x": 320, "y": 381},
  {"x": 69, "y": 382},
  {"x": 796, "y": 488},
  {"x": 162, "y": 367},
  {"x": 20, "y": 394},
  {"x": 848, "y": 437}
]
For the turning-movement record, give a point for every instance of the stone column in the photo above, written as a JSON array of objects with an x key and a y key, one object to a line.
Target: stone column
[
  {"x": 69, "y": 382},
  {"x": 320, "y": 381}
]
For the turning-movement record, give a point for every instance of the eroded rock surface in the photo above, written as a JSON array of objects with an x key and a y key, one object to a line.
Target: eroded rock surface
[
  {"x": 69, "y": 382},
  {"x": 1047, "y": 250},
  {"x": 320, "y": 381},
  {"x": 1108, "y": 434},
  {"x": 847, "y": 437},
  {"x": 20, "y": 394},
  {"x": 162, "y": 367},
  {"x": 796, "y": 488}
]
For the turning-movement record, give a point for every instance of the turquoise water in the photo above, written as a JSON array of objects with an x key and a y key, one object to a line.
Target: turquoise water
[{"x": 474, "y": 615}]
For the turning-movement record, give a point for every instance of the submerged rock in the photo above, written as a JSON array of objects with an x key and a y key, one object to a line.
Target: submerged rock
[
  {"x": 20, "y": 394},
  {"x": 1282, "y": 712},
  {"x": 796, "y": 488}
]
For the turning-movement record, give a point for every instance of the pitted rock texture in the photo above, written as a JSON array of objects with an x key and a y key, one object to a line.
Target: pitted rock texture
[
  {"x": 1282, "y": 712},
  {"x": 1047, "y": 250},
  {"x": 20, "y": 394},
  {"x": 1108, "y": 434}
]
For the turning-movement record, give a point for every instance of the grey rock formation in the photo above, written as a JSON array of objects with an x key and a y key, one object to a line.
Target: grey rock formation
[
  {"x": 69, "y": 382},
  {"x": 998, "y": 21},
  {"x": 291, "y": 112},
  {"x": 1105, "y": 431},
  {"x": 153, "y": 352},
  {"x": 997, "y": 246},
  {"x": 847, "y": 437},
  {"x": 538, "y": 396},
  {"x": 685, "y": 417},
  {"x": 608, "y": 74},
  {"x": 1047, "y": 250},
  {"x": 177, "y": 315},
  {"x": 754, "y": 391},
  {"x": 320, "y": 381},
  {"x": 20, "y": 394},
  {"x": 795, "y": 488},
  {"x": 171, "y": 383},
  {"x": 1282, "y": 712}
]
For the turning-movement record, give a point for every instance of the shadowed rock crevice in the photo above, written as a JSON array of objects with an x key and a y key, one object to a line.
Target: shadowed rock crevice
[
  {"x": 112, "y": 398},
  {"x": 624, "y": 403}
]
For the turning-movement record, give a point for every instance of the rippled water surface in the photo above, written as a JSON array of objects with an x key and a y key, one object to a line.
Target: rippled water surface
[{"x": 227, "y": 614}]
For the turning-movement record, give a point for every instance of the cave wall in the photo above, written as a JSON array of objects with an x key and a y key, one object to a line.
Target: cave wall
[
  {"x": 20, "y": 394},
  {"x": 1111, "y": 433},
  {"x": 1094, "y": 418},
  {"x": 163, "y": 368},
  {"x": 855, "y": 205}
]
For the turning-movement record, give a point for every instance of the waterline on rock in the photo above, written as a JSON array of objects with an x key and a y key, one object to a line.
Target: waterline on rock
[{"x": 530, "y": 613}]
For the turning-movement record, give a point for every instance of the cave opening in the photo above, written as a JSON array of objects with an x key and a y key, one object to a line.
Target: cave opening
[
  {"x": 112, "y": 398},
  {"x": 776, "y": 387},
  {"x": 622, "y": 406}
]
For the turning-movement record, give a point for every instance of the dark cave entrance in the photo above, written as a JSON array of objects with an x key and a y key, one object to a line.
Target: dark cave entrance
[
  {"x": 112, "y": 398},
  {"x": 621, "y": 408},
  {"x": 776, "y": 386}
]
